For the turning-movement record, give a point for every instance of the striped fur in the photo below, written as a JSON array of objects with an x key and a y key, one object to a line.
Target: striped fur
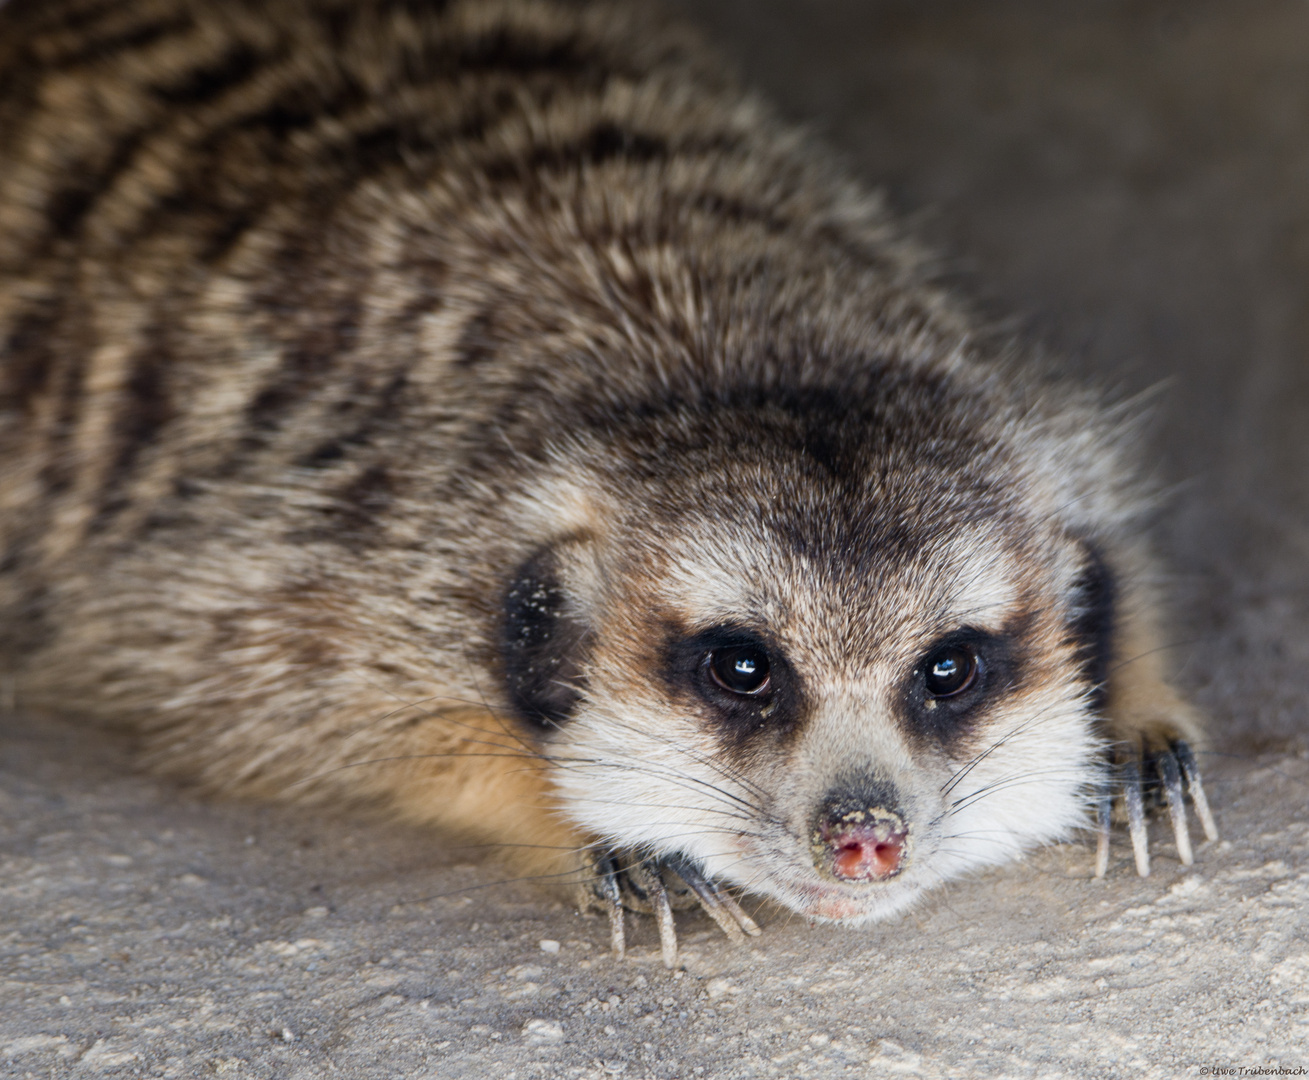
[{"x": 319, "y": 317}]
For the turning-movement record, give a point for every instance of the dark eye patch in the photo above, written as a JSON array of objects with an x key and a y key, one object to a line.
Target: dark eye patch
[
  {"x": 954, "y": 681},
  {"x": 744, "y": 683}
]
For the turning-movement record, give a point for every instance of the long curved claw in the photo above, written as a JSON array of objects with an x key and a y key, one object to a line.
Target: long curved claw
[
  {"x": 663, "y": 913},
  {"x": 725, "y": 911},
  {"x": 1166, "y": 777},
  {"x": 734, "y": 909},
  {"x": 1103, "y": 820},
  {"x": 613, "y": 898},
  {"x": 1130, "y": 774},
  {"x": 1186, "y": 759},
  {"x": 1171, "y": 779}
]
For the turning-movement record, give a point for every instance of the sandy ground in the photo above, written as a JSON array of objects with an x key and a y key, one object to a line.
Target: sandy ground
[{"x": 1132, "y": 179}]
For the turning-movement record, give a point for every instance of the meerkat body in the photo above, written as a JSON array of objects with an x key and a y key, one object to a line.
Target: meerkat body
[{"x": 490, "y": 411}]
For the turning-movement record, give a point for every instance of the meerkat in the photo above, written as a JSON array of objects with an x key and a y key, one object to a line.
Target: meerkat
[{"x": 490, "y": 411}]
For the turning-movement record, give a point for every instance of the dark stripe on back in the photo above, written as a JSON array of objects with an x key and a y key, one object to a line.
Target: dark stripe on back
[
  {"x": 738, "y": 211},
  {"x": 602, "y": 143},
  {"x": 29, "y": 356},
  {"x": 207, "y": 81},
  {"x": 72, "y": 356},
  {"x": 355, "y": 518},
  {"x": 95, "y": 33},
  {"x": 41, "y": 15},
  {"x": 302, "y": 106},
  {"x": 418, "y": 9},
  {"x": 226, "y": 235},
  {"x": 119, "y": 41},
  {"x": 69, "y": 207},
  {"x": 342, "y": 23},
  {"x": 308, "y": 359},
  {"x": 477, "y": 341},
  {"x": 381, "y": 412},
  {"x": 361, "y": 503},
  {"x": 506, "y": 50},
  {"x": 400, "y": 141},
  {"x": 143, "y": 410}
]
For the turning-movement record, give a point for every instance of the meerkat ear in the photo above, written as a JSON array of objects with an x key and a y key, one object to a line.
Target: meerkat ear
[
  {"x": 546, "y": 635},
  {"x": 1092, "y": 602}
]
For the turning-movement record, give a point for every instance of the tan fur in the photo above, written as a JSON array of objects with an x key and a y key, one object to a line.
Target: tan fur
[{"x": 321, "y": 320}]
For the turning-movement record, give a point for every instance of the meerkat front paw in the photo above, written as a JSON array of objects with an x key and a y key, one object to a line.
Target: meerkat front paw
[
  {"x": 1153, "y": 732},
  {"x": 1155, "y": 776},
  {"x": 625, "y": 881}
]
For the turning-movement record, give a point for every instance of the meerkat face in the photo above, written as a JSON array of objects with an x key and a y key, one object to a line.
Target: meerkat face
[{"x": 848, "y": 662}]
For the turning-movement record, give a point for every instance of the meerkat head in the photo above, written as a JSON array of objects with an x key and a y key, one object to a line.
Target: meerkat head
[{"x": 832, "y": 648}]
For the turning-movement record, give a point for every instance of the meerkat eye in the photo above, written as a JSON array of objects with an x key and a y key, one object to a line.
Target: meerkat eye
[
  {"x": 742, "y": 669},
  {"x": 949, "y": 671}
]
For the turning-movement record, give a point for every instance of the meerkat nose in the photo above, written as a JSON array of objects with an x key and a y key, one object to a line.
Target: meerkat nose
[
  {"x": 866, "y": 852},
  {"x": 860, "y": 838}
]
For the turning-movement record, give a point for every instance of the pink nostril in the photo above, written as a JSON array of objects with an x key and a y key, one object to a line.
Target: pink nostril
[
  {"x": 864, "y": 852},
  {"x": 860, "y": 860}
]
